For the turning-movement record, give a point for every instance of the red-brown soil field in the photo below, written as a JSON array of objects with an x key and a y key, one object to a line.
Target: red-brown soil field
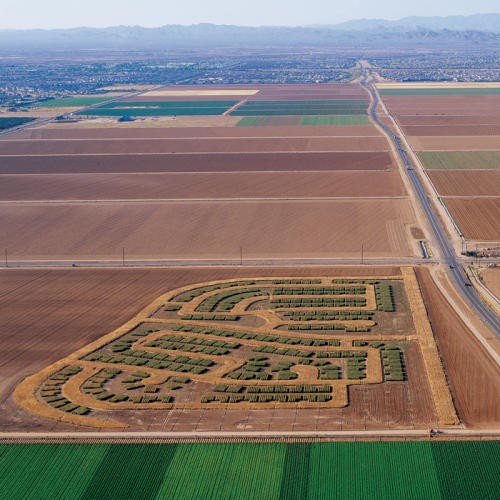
[
  {"x": 472, "y": 373},
  {"x": 86, "y": 304},
  {"x": 433, "y": 120},
  {"x": 456, "y": 143},
  {"x": 192, "y": 145},
  {"x": 477, "y": 218},
  {"x": 487, "y": 105},
  {"x": 223, "y": 162},
  {"x": 190, "y": 132},
  {"x": 452, "y": 130},
  {"x": 208, "y": 230},
  {"x": 466, "y": 182},
  {"x": 200, "y": 185}
]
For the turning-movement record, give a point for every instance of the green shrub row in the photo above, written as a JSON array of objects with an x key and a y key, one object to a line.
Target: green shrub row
[
  {"x": 266, "y": 398},
  {"x": 296, "y": 282},
  {"x": 354, "y": 282},
  {"x": 393, "y": 365},
  {"x": 172, "y": 307},
  {"x": 50, "y": 391},
  {"x": 246, "y": 375},
  {"x": 327, "y": 290},
  {"x": 252, "y": 336},
  {"x": 385, "y": 297},
  {"x": 210, "y": 317},
  {"x": 227, "y": 300},
  {"x": 196, "y": 292}
]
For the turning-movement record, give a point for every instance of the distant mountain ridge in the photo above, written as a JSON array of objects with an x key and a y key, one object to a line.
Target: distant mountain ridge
[
  {"x": 370, "y": 33},
  {"x": 477, "y": 22}
]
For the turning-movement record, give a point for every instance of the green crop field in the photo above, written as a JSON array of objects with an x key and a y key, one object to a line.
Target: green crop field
[
  {"x": 302, "y": 108},
  {"x": 413, "y": 470},
  {"x": 334, "y": 120},
  {"x": 9, "y": 122},
  {"x": 257, "y": 121},
  {"x": 443, "y": 91},
  {"x": 460, "y": 160},
  {"x": 71, "y": 102},
  {"x": 150, "y": 108}
]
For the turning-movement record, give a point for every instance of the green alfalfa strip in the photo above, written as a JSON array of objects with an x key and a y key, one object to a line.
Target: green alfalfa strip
[
  {"x": 295, "y": 471},
  {"x": 131, "y": 471}
]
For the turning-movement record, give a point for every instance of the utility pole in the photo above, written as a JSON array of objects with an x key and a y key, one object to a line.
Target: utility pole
[
  {"x": 362, "y": 254},
  {"x": 123, "y": 256},
  {"x": 241, "y": 256},
  {"x": 6, "y": 259}
]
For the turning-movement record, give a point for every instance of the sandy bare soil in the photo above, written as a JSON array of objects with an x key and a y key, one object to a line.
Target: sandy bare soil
[
  {"x": 450, "y": 105},
  {"x": 456, "y": 143},
  {"x": 286, "y": 92},
  {"x": 190, "y": 132},
  {"x": 466, "y": 182},
  {"x": 220, "y": 162},
  {"x": 477, "y": 218},
  {"x": 192, "y": 145},
  {"x": 204, "y": 230},
  {"x": 201, "y": 185},
  {"x": 452, "y": 130},
  {"x": 473, "y": 376},
  {"x": 86, "y": 304},
  {"x": 491, "y": 279}
]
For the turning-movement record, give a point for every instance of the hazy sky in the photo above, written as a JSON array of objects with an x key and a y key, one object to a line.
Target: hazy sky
[{"x": 99, "y": 13}]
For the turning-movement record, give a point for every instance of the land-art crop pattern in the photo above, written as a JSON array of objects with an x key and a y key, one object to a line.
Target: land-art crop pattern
[{"x": 259, "y": 343}]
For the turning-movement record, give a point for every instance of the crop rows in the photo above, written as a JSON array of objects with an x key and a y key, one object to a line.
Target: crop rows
[
  {"x": 193, "y": 344},
  {"x": 327, "y": 315},
  {"x": 210, "y": 317},
  {"x": 385, "y": 297},
  {"x": 329, "y": 327},
  {"x": 50, "y": 391},
  {"x": 196, "y": 292},
  {"x": 254, "y": 336},
  {"x": 291, "y": 303},
  {"x": 430, "y": 470}
]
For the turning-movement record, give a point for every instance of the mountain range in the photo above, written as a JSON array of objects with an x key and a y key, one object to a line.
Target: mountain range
[{"x": 361, "y": 33}]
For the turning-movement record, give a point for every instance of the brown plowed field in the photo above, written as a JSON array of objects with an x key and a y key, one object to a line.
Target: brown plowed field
[
  {"x": 468, "y": 105},
  {"x": 228, "y": 162},
  {"x": 190, "y": 132},
  {"x": 473, "y": 376},
  {"x": 452, "y": 130},
  {"x": 477, "y": 218},
  {"x": 192, "y": 145},
  {"x": 466, "y": 182},
  {"x": 491, "y": 279},
  {"x": 419, "y": 120},
  {"x": 456, "y": 143},
  {"x": 200, "y": 185},
  {"x": 208, "y": 230},
  {"x": 86, "y": 304}
]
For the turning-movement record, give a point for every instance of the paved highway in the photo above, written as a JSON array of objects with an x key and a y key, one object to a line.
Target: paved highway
[{"x": 454, "y": 269}]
